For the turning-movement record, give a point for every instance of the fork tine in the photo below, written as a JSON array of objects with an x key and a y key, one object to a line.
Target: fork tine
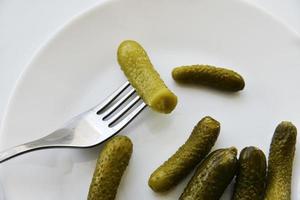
[
  {"x": 124, "y": 110},
  {"x": 115, "y": 106},
  {"x": 129, "y": 117},
  {"x": 112, "y": 97}
]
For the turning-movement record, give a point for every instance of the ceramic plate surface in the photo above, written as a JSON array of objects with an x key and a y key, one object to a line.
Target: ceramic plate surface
[{"x": 77, "y": 68}]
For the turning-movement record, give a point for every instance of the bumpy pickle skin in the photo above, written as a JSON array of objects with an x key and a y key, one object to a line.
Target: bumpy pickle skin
[
  {"x": 215, "y": 77},
  {"x": 197, "y": 146},
  {"x": 140, "y": 72},
  {"x": 251, "y": 175},
  {"x": 110, "y": 167},
  {"x": 212, "y": 176},
  {"x": 280, "y": 162}
]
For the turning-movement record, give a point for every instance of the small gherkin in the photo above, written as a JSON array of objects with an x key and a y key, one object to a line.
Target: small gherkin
[
  {"x": 251, "y": 175},
  {"x": 280, "y": 162},
  {"x": 141, "y": 74},
  {"x": 212, "y": 176},
  {"x": 197, "y": 146},
  {"x": 110, "y": 167},
  {"x": 216, "y": 77}
]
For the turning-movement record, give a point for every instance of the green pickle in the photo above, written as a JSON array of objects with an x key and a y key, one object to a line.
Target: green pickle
[
  {"x": 212, "y": 176},
  {"x": 197, "y": 146},
  {"x": 141, "y": 74},
  {"x": 251, "y": 175},
  {"x": 280, "y": 163},
  {"x": 216, "y": 77},
  {"x": 110, "y": 167}
]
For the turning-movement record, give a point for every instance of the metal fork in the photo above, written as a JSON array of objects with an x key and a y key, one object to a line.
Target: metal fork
[{"x": 89, "y": 128}]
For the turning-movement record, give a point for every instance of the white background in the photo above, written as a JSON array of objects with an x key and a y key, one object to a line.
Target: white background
[{"x": 26, "y": 25}]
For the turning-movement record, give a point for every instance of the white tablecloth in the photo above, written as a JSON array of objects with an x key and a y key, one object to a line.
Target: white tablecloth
[{"x": 25, "y": 25}]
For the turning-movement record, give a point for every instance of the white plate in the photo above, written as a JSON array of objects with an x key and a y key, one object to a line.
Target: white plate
[{"x": 77, "y": 69}]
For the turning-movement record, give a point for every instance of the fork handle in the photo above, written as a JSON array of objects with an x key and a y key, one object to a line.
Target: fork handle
[
  {"x": 12, "y": 152},
  {"x": 59, "y": 138},
  {"x": 24, "y": 148}
]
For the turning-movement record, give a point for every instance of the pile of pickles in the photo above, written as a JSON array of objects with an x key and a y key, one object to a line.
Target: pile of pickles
[
  {"x": 255, "y": 177},
  {"x": 254, "y": 180}
]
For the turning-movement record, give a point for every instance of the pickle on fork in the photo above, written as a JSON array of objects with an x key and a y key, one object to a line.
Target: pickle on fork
[{"x": 140, "y": 72}]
